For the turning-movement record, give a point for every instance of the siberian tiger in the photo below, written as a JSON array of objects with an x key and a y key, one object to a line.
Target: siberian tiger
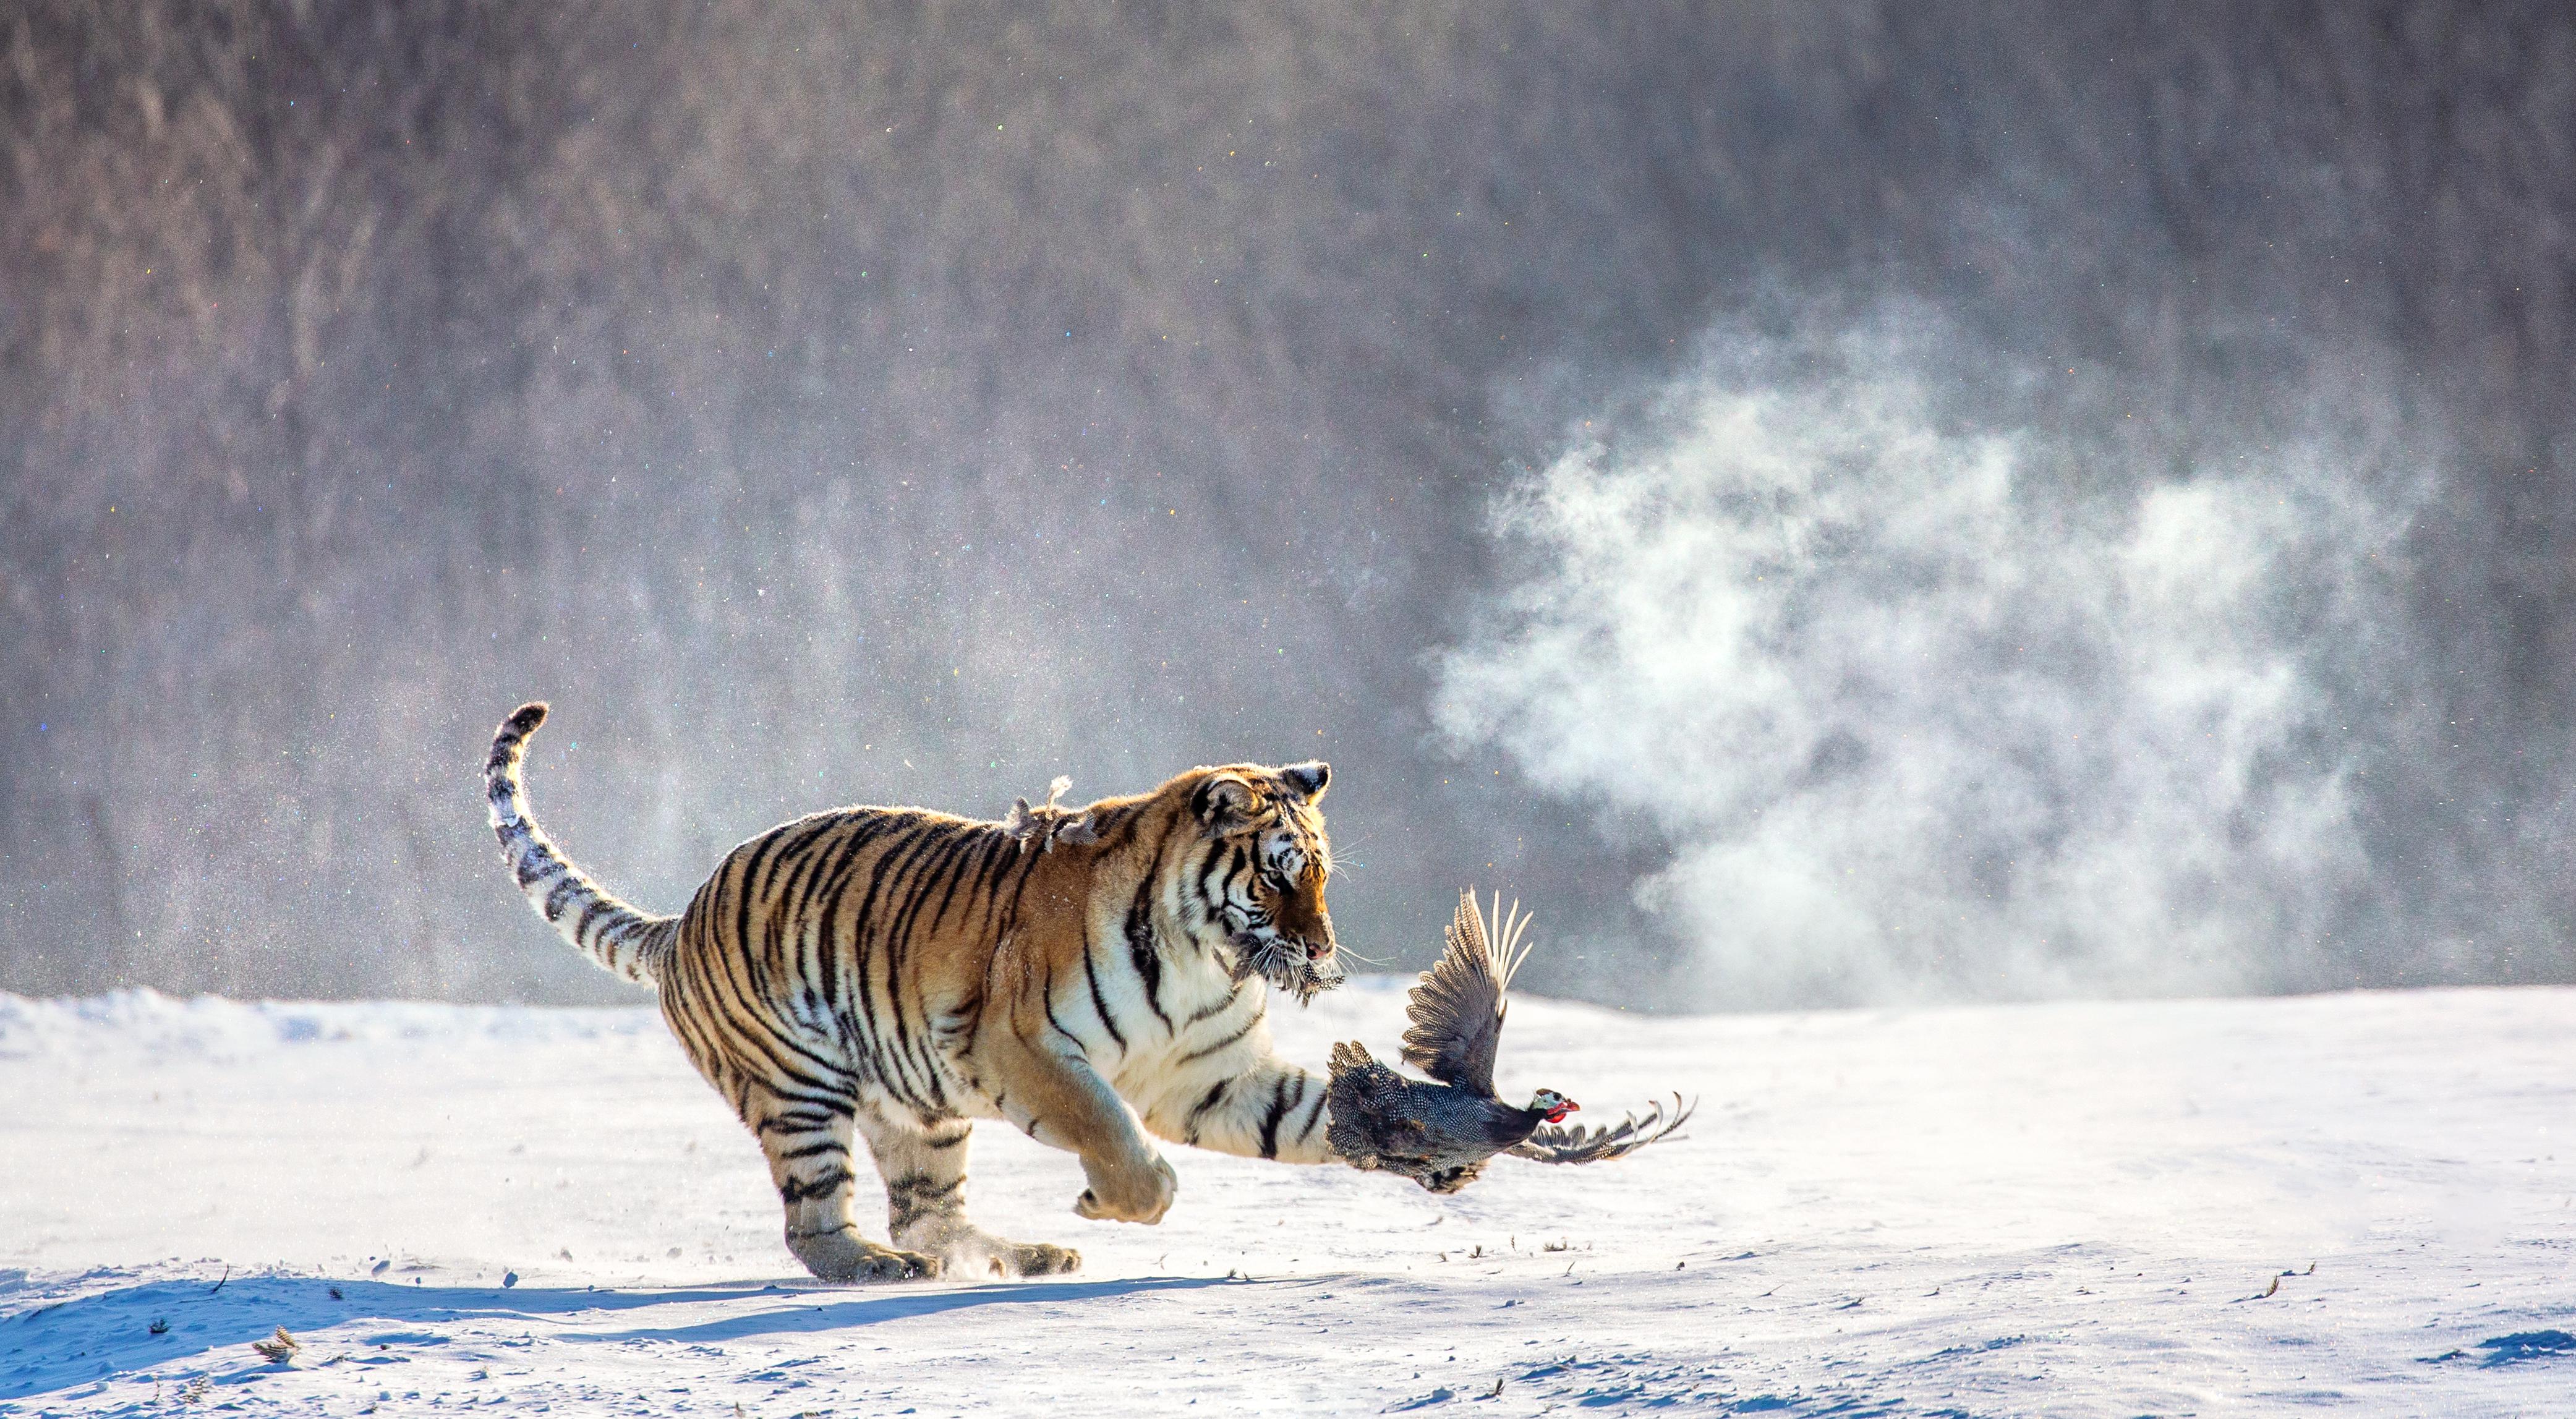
[{"x": 1094, "y": 976}]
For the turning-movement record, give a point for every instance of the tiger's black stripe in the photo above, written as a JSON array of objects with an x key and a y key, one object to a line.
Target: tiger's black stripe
[
  {"x": 838, "y": 977},
  {"x": 1279, "y": 1107},
  {"x": 1203, "y": 1051},
  {"x": 1210, "y": 1012},
  {"x": 1048, "y": 1000},
  {"x": 1100, "y": 1002},
  {"x": 1206, "y": 1102},
  {"x": 1142, "y": 953}
]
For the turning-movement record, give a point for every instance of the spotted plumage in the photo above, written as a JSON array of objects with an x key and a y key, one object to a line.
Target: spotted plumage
[
  {"x": 1098, "y": 977},
  {"x": 1441, "y": 1134}
]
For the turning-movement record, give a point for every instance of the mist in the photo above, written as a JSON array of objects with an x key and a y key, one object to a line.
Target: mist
[
  {"x": 2074, "y": 500},
  {"x": 1917, "y": 710}
]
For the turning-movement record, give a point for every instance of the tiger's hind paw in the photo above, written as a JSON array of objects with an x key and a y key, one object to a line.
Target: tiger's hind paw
[
  {"x": 843, "y": 1257},
  {"x": 891, "y": 1265},
  {"x": 970, "y": 1252}
]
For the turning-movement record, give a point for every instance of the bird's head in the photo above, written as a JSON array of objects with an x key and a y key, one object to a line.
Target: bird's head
[{"x": 1552, "y": 1105}]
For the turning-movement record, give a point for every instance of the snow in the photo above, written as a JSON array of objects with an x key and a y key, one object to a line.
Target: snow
[{"x": 2060, "y": 1209}]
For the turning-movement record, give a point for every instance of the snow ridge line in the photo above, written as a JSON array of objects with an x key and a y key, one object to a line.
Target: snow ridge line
[{"x": 617, "y": 936}]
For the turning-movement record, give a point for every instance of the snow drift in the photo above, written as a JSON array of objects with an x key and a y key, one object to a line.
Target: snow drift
[{"x": 2073, "y": 1209}]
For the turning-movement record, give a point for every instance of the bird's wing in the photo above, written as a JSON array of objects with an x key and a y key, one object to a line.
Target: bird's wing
[
  {"x": 1598, "y": 1145},
  {"x": 1457, "y": 1010},
  {"x": 1350, "y": 1055},
  {"x": 1363, "y": 1090},
  {"x": 1372, "y": 1123}
]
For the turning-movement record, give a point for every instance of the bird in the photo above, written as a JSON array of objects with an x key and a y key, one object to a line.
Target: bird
[{"x": 1442, "y": 1134}]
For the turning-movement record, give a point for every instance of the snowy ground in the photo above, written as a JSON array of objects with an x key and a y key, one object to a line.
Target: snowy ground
[{"x": 2064, "y": 1209}]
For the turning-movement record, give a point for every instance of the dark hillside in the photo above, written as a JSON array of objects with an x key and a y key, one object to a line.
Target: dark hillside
[{"x": 826, "y": 403}]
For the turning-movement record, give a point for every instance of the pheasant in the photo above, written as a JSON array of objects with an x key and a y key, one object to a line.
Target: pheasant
[{"x": 1441, "y": 1134}]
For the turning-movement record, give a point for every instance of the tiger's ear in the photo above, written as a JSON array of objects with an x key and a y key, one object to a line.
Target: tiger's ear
[
  {"x": 1307, "y": 780},
  {"x": 1224, "y": 801}
]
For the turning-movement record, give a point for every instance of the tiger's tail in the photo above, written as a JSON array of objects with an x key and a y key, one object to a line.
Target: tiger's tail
[{"x": 620, "y": 938}]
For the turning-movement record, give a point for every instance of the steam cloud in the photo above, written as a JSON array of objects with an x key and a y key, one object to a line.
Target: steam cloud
[
  {"x": 1922, "y": 709},
  {"x": 879, "y": 403}
]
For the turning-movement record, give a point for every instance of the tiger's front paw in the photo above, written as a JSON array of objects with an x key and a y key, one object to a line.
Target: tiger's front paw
[{"x": 1127, "y": 1192}]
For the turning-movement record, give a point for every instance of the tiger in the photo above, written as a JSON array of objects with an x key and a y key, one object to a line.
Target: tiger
[{"x": 1099, "y": 977}]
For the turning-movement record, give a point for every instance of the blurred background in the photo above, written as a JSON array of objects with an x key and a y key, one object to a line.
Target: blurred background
[{"x": 1828, "y": 502}]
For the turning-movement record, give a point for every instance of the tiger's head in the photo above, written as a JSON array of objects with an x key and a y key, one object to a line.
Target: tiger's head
[{"x": 1261, "y": 881}]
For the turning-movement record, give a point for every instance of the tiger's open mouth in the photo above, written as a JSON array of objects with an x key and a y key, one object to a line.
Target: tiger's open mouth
[{"x": 1289, "y": 965}]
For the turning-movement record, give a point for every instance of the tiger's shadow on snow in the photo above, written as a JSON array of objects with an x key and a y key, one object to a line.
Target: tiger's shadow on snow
[
  {"x": 207, "y": 1329},
  {"x": 807, "y": 1310}
]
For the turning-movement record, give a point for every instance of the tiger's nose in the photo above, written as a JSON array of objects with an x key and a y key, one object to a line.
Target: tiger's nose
[{"x": 1318, "y": 950}]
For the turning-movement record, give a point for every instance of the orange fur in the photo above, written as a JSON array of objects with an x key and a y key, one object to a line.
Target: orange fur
[{"x": 1094, "y": 976}]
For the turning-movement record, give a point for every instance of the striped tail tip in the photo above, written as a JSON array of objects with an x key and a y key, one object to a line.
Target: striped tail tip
[{"x": 501, "y": 767}]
